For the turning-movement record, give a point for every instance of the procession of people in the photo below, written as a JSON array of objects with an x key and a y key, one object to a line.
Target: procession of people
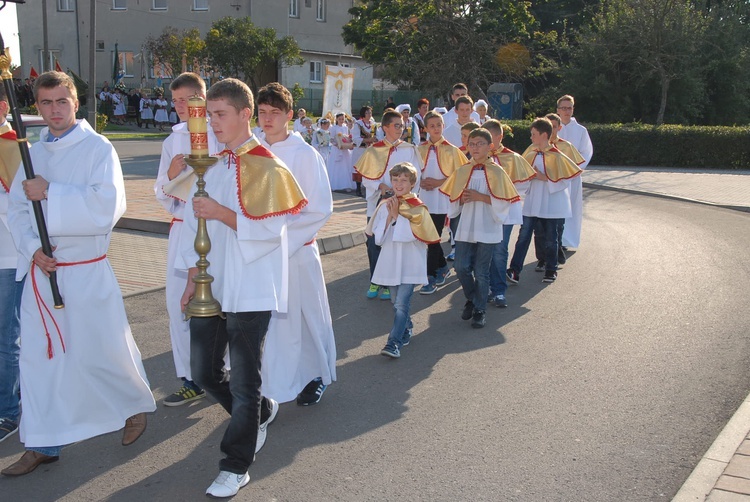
[{"x": 423, "y": 176}]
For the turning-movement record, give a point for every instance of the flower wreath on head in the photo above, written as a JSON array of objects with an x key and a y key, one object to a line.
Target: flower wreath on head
[
  {"x": 159, "y": 91},
  {"x": 121, "y": 86}
]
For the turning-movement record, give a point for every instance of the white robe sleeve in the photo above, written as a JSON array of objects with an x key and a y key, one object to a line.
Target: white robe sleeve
[
  {"x": 402, "y": 231},
  {"x": 587, "y": 149},
  {"x": 379, "y": 228},
  {"x": 372, "y": 192},
  {"x": 500, "y": 209},
  {"x": 169, "y": 203},
  {"x": 557, "y": 187},
  {"x": 257, "y": 238},
  {"x": 454, "y": 209},
  {"x": 314, "y": 183},
  {"x": 91, "y": 209},
  {"x": 357, "y": 134}
]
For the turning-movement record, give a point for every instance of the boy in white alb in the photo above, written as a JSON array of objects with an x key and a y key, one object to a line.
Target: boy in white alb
[
  {"x": 458, "y": 90},
  {"x": 299, "y": 358},
  {"x": 547, "y": 200},
  {"x": 171, "y": 165},
  {"x": 374, "y": 166},
  {"x": 249, "y": 263},
  {"x": 482, "y": 193},
  {"x": 440, "y": 159},
  {"x": 402, "y": 228},
  {"x": 463, "y": 108}
]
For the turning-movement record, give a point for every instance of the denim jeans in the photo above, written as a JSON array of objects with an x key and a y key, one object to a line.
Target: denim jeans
[
  {"x": 401, "y": 300},
  {"x": 435, "y": 255},
  {"x": 473, "y": 270},
  {"x": 549, "y": 227},
  {"x": 373, "y": 252},
  {"x": 50, "y": 451},
  {"x": 10, "y": 348},
  {"x": 498, "y": 281},
  {"x": 539, "y": 239},
  {"x": 245, "y": 333}
]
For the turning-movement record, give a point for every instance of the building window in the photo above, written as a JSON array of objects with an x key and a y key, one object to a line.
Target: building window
[
  {"x": 293, "y": 8},
  {"x": 338, "y": 63},
  {"x": 158, "y": 4},
  {"x": 119, "y": 4},
  {"x": 53, "y": 55},
  {"x": 65, "y": 5},
  {"x": 308, "y": 3},
  {"x": 158, "y": 70},
  {"x": 100, "y": 46},
  {"x": 126, "y": 63},
  {"x": 200, "y": 4},
  {"x": 321, "y": 11},
  {"x": 316, "y": 71}
]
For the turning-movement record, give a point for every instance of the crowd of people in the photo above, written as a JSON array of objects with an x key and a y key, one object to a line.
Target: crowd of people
[
  {"x": 274, "y": 342},
  {"x": 137, "y": 106}
]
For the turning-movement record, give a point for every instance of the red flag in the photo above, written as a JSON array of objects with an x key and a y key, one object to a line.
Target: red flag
[
  {"x": 58, "y": 67},
  {"x": 33, "y": 73}
]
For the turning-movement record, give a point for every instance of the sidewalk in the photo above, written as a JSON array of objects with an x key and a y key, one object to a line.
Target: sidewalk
[{"x": 722, "y": 475}]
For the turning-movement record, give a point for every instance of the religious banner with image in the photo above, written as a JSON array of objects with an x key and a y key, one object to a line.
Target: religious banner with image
[{"x": 337, "y": 90}]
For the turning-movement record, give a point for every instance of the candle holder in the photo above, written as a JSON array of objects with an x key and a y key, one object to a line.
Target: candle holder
[{"x": 203, "y": 303}]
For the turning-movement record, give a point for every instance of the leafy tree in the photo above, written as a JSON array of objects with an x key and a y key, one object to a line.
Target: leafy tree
[
  {"x": 236, "y": 47},
  {"x": 173, "y": 45},
  {"x": 430, "y": 45}
]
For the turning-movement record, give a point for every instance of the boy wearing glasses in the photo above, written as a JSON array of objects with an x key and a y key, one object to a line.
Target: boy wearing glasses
[
  {"x": 576, "y": 134},
  {"x": 482, "y": 193},
  {"x": 374, "y": 165}
]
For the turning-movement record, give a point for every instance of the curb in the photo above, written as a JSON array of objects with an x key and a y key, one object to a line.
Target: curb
[
  {"x": 703, "y": 479},
  {"x": 745, "y": 209}
]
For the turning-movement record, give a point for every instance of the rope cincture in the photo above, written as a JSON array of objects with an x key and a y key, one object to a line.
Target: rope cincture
[{"x": 42, "y": 306}]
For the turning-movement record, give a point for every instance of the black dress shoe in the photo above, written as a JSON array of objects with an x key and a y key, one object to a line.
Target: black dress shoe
[
  {"x": 478, "y": 319},
  {"x": 468, "y": 310},
  {"x": 561, "y": 258}
]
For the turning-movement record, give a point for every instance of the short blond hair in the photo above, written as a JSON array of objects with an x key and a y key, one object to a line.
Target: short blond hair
[
  {"x": 404, "y": 168},
  {"x": 235, "y": 92},
  {"x": 52, "y": 79},
  {"x": 567, "y": 97}
]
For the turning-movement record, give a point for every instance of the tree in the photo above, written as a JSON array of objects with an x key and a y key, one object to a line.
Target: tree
[
  {"x": 174, "y": 46},
  {"x": 430, "y": 45},
  {"x": 236, "y": 47},
  {"x": 636, "y": 47}
]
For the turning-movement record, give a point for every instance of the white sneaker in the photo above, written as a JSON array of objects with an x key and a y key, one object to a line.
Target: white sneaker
[
  {"x": 227, "y": 484},
  {"x": 263, "y": 429}
]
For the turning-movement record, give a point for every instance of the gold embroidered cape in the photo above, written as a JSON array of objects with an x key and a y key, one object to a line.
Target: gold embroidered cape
[
  {"x": 10, "y": 155},
  {"x": 499, "y": 183},
  {"x": 569, "y": 150},
  {"x": 449, "y": 158},
  {"x": 373, "y": 163},
  {"x": 414, "y": 210},
  {"x": 556, "y": 164},
  {"x": 515, "y": 166}
]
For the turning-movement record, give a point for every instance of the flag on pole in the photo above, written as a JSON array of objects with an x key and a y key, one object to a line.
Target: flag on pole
[
  {"x": 33, "y": 73},
  {"x": 337, "y": 90},
  {"x": 116, "y": 69},
  {"x": 58, "y": 67}
]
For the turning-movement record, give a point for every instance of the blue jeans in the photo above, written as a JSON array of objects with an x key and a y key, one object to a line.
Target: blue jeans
[
  {"x": 498, "y": 281},
  {"x": 401, "y": 300},
  {"x": 245, "y": 333},
  {"x": 539, "y": 240},
  {"x": 549, "y": 226},
  {"x": 472, "y": 266},
  {"x": 10, "y": 348}
]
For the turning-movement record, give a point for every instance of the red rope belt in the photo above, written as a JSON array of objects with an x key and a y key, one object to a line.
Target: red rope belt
[
  {"x": 44, "y": 308},
  {"x": 174, "y": 220}
]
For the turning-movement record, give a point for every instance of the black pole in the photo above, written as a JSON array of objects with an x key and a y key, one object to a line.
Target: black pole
[{"x": 28, "y": 168}]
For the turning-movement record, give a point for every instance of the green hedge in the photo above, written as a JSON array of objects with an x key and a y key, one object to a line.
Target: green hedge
[{"x": 663, "y": 146}]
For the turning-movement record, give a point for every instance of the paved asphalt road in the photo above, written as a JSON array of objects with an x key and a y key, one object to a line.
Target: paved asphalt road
[
  {"x": 606, "y": 386},
  {"x": 139, "y": 158}
]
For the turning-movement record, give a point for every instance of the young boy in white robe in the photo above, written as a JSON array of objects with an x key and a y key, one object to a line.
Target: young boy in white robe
[
  {"x": 171, "y": 165},
  {"x": 401, "y": 226},
  {"x": 374, "y": 166},
  {"x": 299, "y": 359},
  {"x": 547, "y": 200},
  {"x": 464, "y": 109},
  {"x": 250, "y": 265},
  {"x": 86, "y": 347},
  {"x": 482, "y": 193},
  {"x": 439, "y": 160}
]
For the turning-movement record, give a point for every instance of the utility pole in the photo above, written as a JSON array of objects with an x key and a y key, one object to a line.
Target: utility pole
[
  {"x": 92, "y": 66},
  {"x": 45, "y": 47}
]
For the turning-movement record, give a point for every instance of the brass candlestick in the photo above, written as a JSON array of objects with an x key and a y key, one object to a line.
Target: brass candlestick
[{"x": 203, "y": 303}]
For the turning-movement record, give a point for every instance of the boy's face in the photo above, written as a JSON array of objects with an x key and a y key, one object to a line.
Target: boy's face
[
  {"x": 458, "y": 93},
  {"x": 463, "y": 110},
  {"x": 229, "y": 124},
  {"x": 401, "y": 184},
  {"x": 435, "y": 127},
  {"x": 565, "y": 110},
  {"x": 180, "y": 99},
  {"x": 556, "y": 126},
  {"x": 479, "y": 148},
  {"x": 273, "y": 120},
  {"x": 539, "y": 139},
  {"x": 393, "y": 130},
  {"x": 464, "y": 138}
]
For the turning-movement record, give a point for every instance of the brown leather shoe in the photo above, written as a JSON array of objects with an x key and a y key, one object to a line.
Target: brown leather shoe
[
  {"x": 27, "y": 463},
  {"x": 134, "y": 427}
]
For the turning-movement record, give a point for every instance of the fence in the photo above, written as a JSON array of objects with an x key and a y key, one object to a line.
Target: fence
[{"x": 313, "y": 100}]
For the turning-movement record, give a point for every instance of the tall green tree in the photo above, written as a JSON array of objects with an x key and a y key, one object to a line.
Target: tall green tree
[
  {"x": 430, "y": 45},
  {"x": 237, "y": 48},
  {"x": 173, "y": 45}
]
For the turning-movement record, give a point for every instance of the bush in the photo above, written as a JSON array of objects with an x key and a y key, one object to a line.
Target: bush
[{"x": 650, "y": 146}]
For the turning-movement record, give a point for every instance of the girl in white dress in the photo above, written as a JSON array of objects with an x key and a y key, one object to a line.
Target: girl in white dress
[
  {"x": 321, "y": 139},
  {"x": 160, "y": 116},
  {"x": 147, "y": 115},
  {"x": 340, "y": 161}
]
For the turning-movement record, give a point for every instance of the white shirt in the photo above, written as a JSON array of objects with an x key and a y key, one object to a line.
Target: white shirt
[
  {"x": 452, "y": 132},
  {"x": 546, "y": 199},
  {"x": 403, "y": 258},
  {"x": 480, "y": 222},
  {"x": 452, "y": 116},
  {"x": 435, "y": 200},
  {"x": 579, "y": 136},
  {"x": 405, "y": 152}
]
